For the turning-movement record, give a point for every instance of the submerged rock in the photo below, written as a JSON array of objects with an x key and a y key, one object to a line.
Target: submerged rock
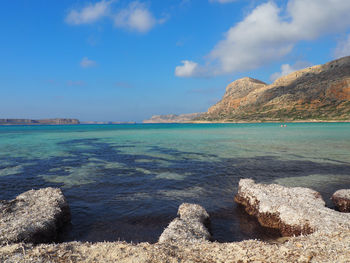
[
  {"x": 190, "y": 226},
  {"x": 294, "y": 211},
  {"x": 341, "y": 199},
  {"x": 33, "y": 217}
]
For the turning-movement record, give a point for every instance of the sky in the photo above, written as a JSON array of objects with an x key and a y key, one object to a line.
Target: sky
[{"x": 118, "y": 60}]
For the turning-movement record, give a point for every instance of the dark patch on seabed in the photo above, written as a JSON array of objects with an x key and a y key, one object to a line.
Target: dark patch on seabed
[{"x": 125, "y": 203}]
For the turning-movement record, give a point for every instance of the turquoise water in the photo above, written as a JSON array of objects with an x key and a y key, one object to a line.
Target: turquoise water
[{"x": 126, "y": 181}]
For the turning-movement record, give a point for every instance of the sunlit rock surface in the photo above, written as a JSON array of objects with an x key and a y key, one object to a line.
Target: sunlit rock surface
[
  {"x": 341, "y": 199},
  {"x": 318, "y": 93},
  {"x": 323, "y": 245},
  {"x": 34, "y": 216},
  {"x": 294, "y": 211},
  {"x": 190, "y": 226}
]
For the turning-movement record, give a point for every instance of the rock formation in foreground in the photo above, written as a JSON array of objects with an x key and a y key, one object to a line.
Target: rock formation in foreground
[
  {"x": 173, "y": 118},
  {"x": 34, "y": 216},
  {"x": 324, "y": 245},
  {"x": 318, "y": 93},
  {"x": 190, "y": 226},
  {"x": 341, "y": 199},
  {"x": 294, "y": 211},
  {"x": 57, "y": 121}
]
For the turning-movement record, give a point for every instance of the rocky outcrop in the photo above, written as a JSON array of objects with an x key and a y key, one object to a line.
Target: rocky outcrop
[
  {"x": 190, "y": 226},
  {"x": 173, "y": 118},
  {"x": 34, "y": 216},
  {"x": 323, "y": 245},
  {"x": 317, "y": 93},
  {"x": 294, "y": 211},
  {"x": 236, "y": 95},
  {"x": 57, "y": 121},
  {"x": 341, "y": 199}
]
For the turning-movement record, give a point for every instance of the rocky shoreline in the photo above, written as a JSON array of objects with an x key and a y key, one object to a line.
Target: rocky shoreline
[
  {"x": 33, "y": 217},
  {"x": 314, "y": 233}
]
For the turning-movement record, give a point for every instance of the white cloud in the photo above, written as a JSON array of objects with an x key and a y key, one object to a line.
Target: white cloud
[
  {"x": 89, "y": 14},
  {"x": 343, "y": 48},
  {"x": 269, "y": 33},
  {"x": 87, "y": 63},
  {"x": 188, "y": 69},
  {"x": 287, "y": 69},
  {"x": 135, "y": 17}
]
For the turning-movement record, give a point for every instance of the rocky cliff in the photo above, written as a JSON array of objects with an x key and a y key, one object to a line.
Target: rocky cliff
[
  {"x": 318, "y": 93},
  {"x": 173, "y": 118},
  {"x": 56, "y": 121}
]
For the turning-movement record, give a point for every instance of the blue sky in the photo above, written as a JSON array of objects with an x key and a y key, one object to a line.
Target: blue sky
[{"x": 127, "y": 60}]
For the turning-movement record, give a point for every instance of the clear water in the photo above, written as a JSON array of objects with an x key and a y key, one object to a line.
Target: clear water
[{"x": 125, "y": 182}]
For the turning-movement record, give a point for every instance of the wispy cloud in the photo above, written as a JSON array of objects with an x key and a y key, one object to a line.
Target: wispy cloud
[
  {"x": 343, "y": 48},
  {"x": 87, "y": 63},
  {"x": 88, "y": 14},
  {"x": 269, "y": 33},
  {"x": 135, "y": 17}
]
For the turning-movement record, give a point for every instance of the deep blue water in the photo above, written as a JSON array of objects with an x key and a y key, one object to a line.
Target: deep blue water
[{"x": 125, "y": 182}]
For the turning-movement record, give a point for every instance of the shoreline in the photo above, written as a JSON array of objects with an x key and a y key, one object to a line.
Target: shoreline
[
  {"x": 327, "y": 241},
  {"x": 252, "y": 122},
  {"x": 286, "y": 121},
  {"x": 187, "y": 122}
]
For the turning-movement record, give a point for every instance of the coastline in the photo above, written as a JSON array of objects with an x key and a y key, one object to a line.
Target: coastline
[
  {"x": 185, "y": 122},
  {"x": 255, "y": 121},
  {"x": 328, "y": 241}
]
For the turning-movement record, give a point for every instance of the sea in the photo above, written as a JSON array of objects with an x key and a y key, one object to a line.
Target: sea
[{"x": 125, "y": 182}]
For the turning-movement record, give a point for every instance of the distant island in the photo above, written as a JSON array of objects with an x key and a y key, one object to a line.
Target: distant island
[
  {"x": 173, "y": 118},
  {"x": 318, "y": 93},
  {"x": 57, "y": 121}
]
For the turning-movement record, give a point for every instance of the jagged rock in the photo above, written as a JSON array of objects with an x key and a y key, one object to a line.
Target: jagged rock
[
  {"x": 293, "y": 211},
  {"x": 317, "y": 93},
  {"x": 34, "y": 216},
  {"x": 341, "y": 199},
  {"x": 190, "y": 226}
]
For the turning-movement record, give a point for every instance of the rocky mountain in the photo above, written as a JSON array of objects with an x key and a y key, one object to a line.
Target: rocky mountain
[
  {"x": 57, "y": 121},
  {"x": 173, "y": 118},
  {"x": 318, "y": 93}
]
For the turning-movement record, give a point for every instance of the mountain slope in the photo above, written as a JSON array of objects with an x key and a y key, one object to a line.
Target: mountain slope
[{"x": 316, "y": 93}]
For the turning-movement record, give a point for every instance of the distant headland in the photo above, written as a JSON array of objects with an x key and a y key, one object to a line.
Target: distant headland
[
  {"x": 315, "y": 94},
  {"x": 173, "y": 118},
  {"x": 56, "y": 121}
]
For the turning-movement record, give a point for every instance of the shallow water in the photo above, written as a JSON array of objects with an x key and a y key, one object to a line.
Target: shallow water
[{"x": 125, "y": 182}]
